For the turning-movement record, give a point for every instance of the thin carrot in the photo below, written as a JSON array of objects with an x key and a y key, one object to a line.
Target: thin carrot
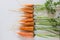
[
  {"x": 27, "y": 10},
  {"x": 28, "y": 23},
  {"x": 27, "y": 20},
  {"x": 28, "y": 15},
  {"x": 26, "y": 34},
  {"x": 27, "y": 28},
  {"x": 29, "y": 5}
]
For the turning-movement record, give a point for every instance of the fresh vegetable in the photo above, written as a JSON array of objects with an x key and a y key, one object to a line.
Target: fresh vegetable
[
  {"x": 27, "y": 10},
  {"x": 27, "y": 20},
  {"x": 26, "y": 34},
  {"x": 28, "y": 15},
  {"x": 28, "y": 23},
  {"x": 29, "y": 5},
  {"x": 27, "y": 28}
]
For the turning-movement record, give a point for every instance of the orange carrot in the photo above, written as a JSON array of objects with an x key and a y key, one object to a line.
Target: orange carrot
[
  {"x": 28, "y": 15},
  {"x": 27, "y": 20},
  {"x": 27, "y": 10},
  {"x": 27, "y": 28},
  {"x": 30, "y": 19},
  {"x": 26, "y": 34},
  {"x": 29, "y": 5},
  {"x": 28, "y": 23}
]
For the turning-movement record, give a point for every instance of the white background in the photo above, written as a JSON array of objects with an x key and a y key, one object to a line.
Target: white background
[{"x": 8, "y": 18}]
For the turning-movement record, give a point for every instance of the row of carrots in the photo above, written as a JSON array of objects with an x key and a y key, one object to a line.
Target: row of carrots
[{"x": 27, "y": 28}]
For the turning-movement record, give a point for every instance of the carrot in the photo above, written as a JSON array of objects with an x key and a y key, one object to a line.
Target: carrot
[
  {"x": 27, "y": 10},
  {"x": 26, "y": 34},
  {"x": 28, "y": 23},
  {"x": 29, "y": 5},
  {"x": 27, "y": 28},
  {"x": 27, "y": 20},
  {"x": 28, "y": 15}
]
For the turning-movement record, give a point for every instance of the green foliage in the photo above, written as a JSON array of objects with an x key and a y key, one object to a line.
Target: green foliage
[
  {"x": 47, "y": 35},
  {"x": 49, "y": 6},
  {"x": 54, "y": 22},
  {"x": 39, "y": 8}
]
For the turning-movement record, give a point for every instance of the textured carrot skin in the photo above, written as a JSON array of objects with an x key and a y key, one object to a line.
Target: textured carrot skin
[
  {"x": 28, "y": 23},
  {"x": 26, "y": 34},
  {"x": 27, "y": 20},
  {"x": 27, "y": 28},
  {"x": 28, "y": 15},
  {"x": 30, "y": 19},
  {"x": 27, "y": 10},
  {"x": 29, "y": 5}
]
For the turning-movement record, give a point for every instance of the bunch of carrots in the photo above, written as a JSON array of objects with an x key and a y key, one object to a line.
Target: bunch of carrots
[{"x": 27, "y": 23}]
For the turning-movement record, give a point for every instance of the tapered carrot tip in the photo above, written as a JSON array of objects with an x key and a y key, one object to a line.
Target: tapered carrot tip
[
  {"x": 26, "y": 34},
  {"x": 27, "y": 28},
  {"x": 29, "y": 5}
]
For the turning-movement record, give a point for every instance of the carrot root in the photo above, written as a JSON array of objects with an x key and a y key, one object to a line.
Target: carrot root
[{"x": 25, "y": 34}]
